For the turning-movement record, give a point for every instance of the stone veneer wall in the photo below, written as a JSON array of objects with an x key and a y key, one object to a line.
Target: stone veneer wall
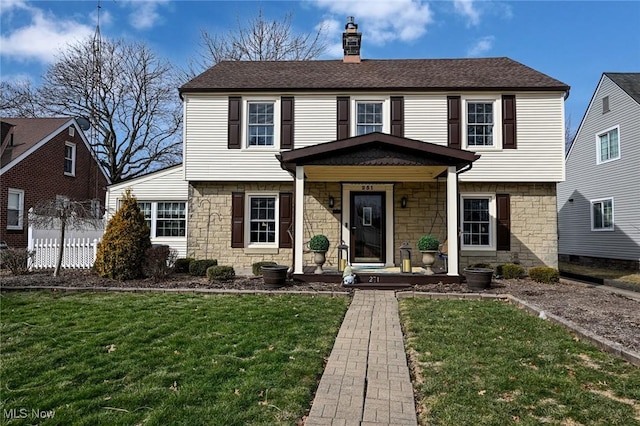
[{"x": 534, "y": 235}]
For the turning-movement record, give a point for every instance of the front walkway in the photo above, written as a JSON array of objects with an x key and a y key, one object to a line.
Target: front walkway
[{"x": 366, "y": 380}]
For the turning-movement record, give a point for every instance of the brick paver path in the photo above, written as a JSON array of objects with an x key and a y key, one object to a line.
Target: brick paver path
[{"x": 366, "y": 380}]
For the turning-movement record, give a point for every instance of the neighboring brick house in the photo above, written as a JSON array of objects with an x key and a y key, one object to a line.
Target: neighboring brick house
[
  {"x": 44, "y": 159},
  {"x": 373, "y": 153}
]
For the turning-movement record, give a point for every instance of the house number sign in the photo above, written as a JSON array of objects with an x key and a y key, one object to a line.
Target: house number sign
[{"x": 368, "y": 187}]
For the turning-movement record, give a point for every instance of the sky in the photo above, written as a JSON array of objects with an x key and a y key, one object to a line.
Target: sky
[{"x": 572, "y": 41}]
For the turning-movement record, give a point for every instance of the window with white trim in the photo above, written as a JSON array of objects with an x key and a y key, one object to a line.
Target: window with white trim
[
  {"x": 478, "y": 221},
  {"x": 15, "y": 209},
  {"x": 165, "y": 218},
  {"x": 602, "y": 214},
  {"x": 262, "y": 219},
  {"x": 261, "y": 124},
  {"x": 608, "y": 145},
  {"x": 69, "y": 159},
  {"x": 480, "y": 123},
  {"x": 369, "y": 117},
  {"x": 72, "y": 131}
]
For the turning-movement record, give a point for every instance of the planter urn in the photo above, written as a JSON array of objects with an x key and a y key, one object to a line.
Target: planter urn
[
  {"x": 274, "y": 276},
  {"x": 319, "y": 257},
  {"x": 428, "y": 259},
  {"x": 478, "y": 278}
]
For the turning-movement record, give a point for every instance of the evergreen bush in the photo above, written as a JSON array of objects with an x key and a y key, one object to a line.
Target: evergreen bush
[
  {"x": 319, "y": 243},
  {"x": 256, "y": 267},
  {"x": 198, "y": 268},
  {"x": 510, "y": 271},
  {"x": 159, "y": 261},
  {"x": 182, "y": 264},
  {"x": 220, "y": 273},
  {"x": 121, "y": 252},
  {"x": 428, "y": 243},
  {"x": 544, "y": 274}
]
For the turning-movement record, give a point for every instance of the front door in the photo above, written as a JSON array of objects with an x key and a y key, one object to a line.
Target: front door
[{"x": 367, "y": 227}]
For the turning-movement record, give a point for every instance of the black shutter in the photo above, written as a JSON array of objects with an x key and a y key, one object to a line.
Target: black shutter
[
  {"x": 454, "y": 134},
  {"x": 237, "y": 220},
  {"x": 343, "y": 117},
  {"x": 509, "y": 122},
  {"x": 397, "y": 116},
  {"x": 235, "y": 125},
  {"x": 286, "y": 122},
  {"x": 503, "y": 222},
  {"x": 286, "y": 219}
]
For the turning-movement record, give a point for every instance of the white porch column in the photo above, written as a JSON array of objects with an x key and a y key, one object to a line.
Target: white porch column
[
  {"x": 298, "y": 244},
  {"x": 452, "y": 221}
]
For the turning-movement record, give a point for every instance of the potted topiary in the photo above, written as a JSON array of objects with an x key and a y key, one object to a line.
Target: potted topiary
[
  {"x": 319, "y": 244},
  {"x": 428, "y": 245}
]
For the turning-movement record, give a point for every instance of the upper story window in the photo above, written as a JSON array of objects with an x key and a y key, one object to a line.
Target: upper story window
[
  {"x": 262, "y": 219},
  {"x": 261, "y": 124},
  {"x": 608, "y": 145},
  {"x": 480, "y": 123},
  {"x": 478, "y": 221},
  {"x": 369, "y": 117},
  {"x": 15, "y": 208},
  {"x": 69, "y": 159},
  {"x": 72, "y": 131},
  {"x": 602, "y": 214}
]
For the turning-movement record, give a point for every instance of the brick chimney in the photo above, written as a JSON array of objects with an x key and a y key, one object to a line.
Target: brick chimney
[{"x": 351, "y": 41}]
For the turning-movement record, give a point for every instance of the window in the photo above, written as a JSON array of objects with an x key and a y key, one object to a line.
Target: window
[
  {"x": 70, "y": 159},
  {"x": 478, "y": 222},
  {"x": 608, "y": 145},
  {"x": 262, "y": 219},
  {"x": 15, "y": 208},
  {"x": 602, "y": 214},
  {"x": 165, "y": 218},
  {"x": 261, "y": 124},
  {"x": 368, "y": 117},
  {"x": 72, "y": 131},
  {"x": 480, "y": 123},
  {"x": 605, "y": 105}
]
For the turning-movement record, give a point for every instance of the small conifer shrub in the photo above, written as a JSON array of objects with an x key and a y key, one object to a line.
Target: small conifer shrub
[
  {"x": 121, "y": 253},
  {"x": 544, "y": 274},
  {"x": 256, "y": 268},
  {"x": 510, "y": 271},
  {"x": 182, "y": 264},
  {"x": 198, "y": 268},
  {"x": 220, "y": 273}
]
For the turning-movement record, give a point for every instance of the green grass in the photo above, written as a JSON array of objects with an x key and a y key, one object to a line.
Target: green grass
[
  {"x": 623, "y": 275},
  {"x": 489, "y": 363},
  {"x": 127, "y": 359}
]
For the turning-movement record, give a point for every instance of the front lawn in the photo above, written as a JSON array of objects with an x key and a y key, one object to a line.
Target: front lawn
[
  {"x": 489, "y": 363},
  {"x": 126, "y": 359}
]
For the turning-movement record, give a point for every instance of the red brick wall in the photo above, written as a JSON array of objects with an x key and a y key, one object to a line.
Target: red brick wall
[{"x": 41, "y": 176}]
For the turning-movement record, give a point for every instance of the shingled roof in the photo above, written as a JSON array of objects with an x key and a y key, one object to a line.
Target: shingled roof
[
  {"x": 628, "y": 81},
  {"x": 27, "y": 132},
  {"x": 377, "y": 75}
]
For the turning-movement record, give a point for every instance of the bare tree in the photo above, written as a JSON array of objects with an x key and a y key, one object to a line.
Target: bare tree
[
  {"x": 65, "y": 214},
  {"x": 127, "y": 93},
  {"x": 569, "y": 134},
  {"x": 259, "y": 39}
]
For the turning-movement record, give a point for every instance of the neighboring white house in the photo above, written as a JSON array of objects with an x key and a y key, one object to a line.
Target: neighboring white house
[
  {"x": 599, "y": 203},
  {"x": 162, "y": 196},
  {"x": 373, "y": 153}
]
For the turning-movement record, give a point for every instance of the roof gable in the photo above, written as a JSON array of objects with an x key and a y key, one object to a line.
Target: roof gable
[{"x": 627, "y": 81}]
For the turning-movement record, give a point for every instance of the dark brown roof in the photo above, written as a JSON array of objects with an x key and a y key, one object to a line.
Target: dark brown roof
[
  {"x": 376, "y": 149},
  {"x": 27, "y": 132},
  {"x": 392, "y": 74},
  {"x": 628, "y": 81}
]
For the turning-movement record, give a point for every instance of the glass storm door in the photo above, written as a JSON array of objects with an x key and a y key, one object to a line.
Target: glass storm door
[{"x": 367, "y": 227}]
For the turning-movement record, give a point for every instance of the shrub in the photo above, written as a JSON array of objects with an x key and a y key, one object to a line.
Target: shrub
[
  {"x": 159, "y": 261},
  {"x": 510, "y": 271},
  {"x": 182, "y": 264},
  {"x": 121, "y": 253},
  {"x": 220, "y": 273},
  {"x": 256, "y": 266},
  {"x": 319, "y": 243},
  {"x": 480, "y": 265},
  {"x": 544, "y": 274},
  {"x": 16, "y": 260},
  {"x": 428, "y": 243},
  {"x": 199, "y": 267}
]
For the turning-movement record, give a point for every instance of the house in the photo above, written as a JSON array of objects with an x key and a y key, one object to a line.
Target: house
[
  {"x": 599, "y": 203},
  {"x": 44, "y": 159},
  {"x": 162, "y": 196},
  {"x": 374, "y": 153}
]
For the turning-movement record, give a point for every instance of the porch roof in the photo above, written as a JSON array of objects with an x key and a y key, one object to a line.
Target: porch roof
[{"x": 384, "y": 156}]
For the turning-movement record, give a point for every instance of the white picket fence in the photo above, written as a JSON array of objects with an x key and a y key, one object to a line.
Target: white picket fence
[{"x": 78, "y": 253}]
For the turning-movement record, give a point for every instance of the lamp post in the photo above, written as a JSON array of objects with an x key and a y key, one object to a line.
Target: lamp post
[
  {"x": 405, "y": 258},
  {"x": 343, "y": 256}
]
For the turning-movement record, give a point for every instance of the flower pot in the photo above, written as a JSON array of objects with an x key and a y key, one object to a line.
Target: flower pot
[
  {"x": 428, "y": 259},
  {"x": 478, "y": 278},
  {"x": 319, "y": 257},
  {"x": 274, "y": 275}
]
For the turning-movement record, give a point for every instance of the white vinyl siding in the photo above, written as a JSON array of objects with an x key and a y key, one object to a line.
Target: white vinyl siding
[
  {"x": 608, "y": 145},
  {"x": 602, "y": 214},
  {"x": 425, "y": 118},
  {"x": 315, "y": 120},
  {"x": 15, "y": 209}
]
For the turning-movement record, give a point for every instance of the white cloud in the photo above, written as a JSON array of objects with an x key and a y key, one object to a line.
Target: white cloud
[
  {"x": 332, "y": 30},
  {"x": 145, "y": 14},
  {"x": 43, "y": 37},
  {"x": 383, "y": 21},
  {"x": 467, "y": 9},
  {"x": 481, "y": 46}
]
